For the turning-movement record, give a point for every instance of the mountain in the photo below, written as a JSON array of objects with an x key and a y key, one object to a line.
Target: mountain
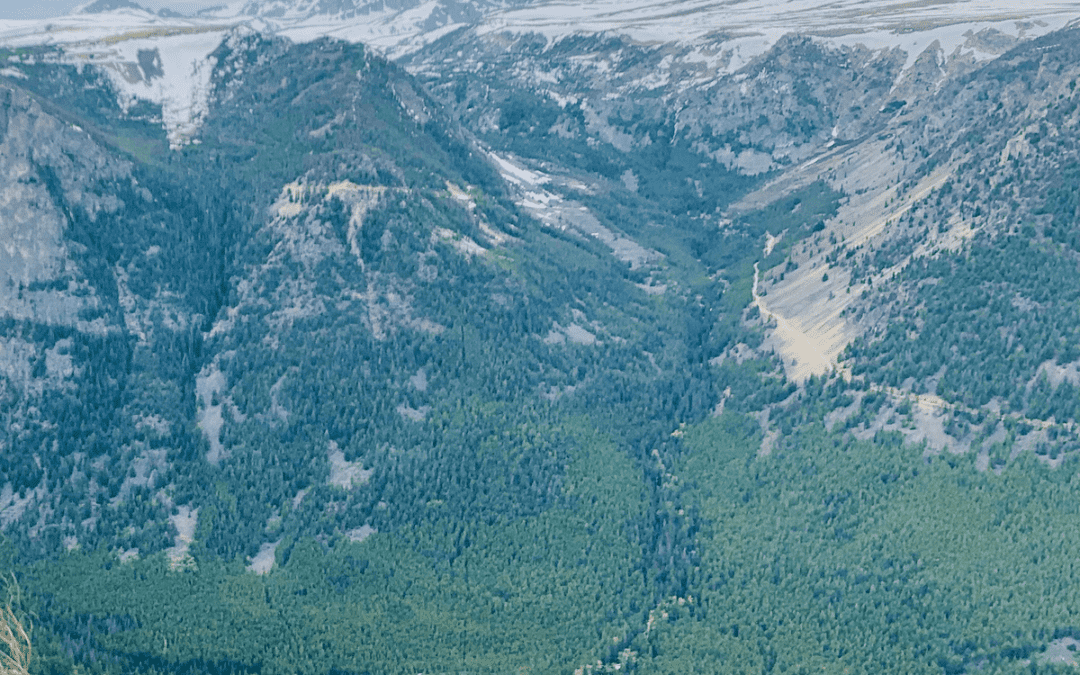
[
  {"x": 99, "y": 6},
  {"x": 429, "y": 15},
  {"x": 581, "y": 339},
  {"x": 258, "y": 349}
]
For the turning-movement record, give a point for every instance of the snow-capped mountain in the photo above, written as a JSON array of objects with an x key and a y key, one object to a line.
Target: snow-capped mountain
[
  {"x": 752, "y": 26},
  {"x": 163, "y": 57}
]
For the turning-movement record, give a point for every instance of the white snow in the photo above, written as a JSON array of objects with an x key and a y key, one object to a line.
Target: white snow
[
  {"x": 554, "y": 211},
  {"x": 749, "y": 28},
  {"x": 516, "y": 174},
  {"x": 112, "y": 41},
  {"x": 664, "y": 21},
  {"x": 183, "y": 89}
]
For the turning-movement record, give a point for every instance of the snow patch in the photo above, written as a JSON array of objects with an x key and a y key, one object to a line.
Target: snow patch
[
  {"x": 752, "y": 27},
  {"x": 146, "y": 57},
  {"x": 516, "y": 174},
  {"x": 554, "y": 211},
  {"x": 183, "y": 87}
]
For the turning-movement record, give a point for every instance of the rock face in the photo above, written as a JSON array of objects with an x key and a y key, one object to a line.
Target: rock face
[
  {"x": 89, "y": 310},
  {"x": 49, "y": 167}
]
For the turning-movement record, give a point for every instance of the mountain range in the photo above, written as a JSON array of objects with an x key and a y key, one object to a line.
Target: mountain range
[{"x": 380, "y": 337}]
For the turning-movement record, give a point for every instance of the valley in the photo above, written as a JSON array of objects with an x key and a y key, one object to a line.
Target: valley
[{"x": 398, "y": 337}]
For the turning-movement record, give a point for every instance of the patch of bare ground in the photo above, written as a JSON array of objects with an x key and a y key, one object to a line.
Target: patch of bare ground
[
  {"x": 343, "y": 473},
  {"x": 359, "y": 534},
  {"x": 840, "y": 415},
  {"x": 928, "y": 415},
  {"x": 574, "y": 333},
  {"x": 1061, "y": 651},
  {"x": 13, "y": 504},
  {"x": 263, "y": 561},
  {"x": 718, "y": 410},
  {"x": 184, "y": 520},
  {"x": 924, "y": 423},
  {"x": 1056, "y": 373},
  {"x": 807, "y": 300},
  {"x": 998, "y": 439},
  {"x": 739, "y": 353},
  {"x": 769, "y": 436},
  {"x": 768, "y": 442},
  {"x": 1031, "y": 440},
  {"x": 804, "y": 348},
  {"x": 209, "y": 385},
  {"x": 414, "y": 414},
  {"x": 805, "y": 305},
  {"x": 419, "y": 381}
]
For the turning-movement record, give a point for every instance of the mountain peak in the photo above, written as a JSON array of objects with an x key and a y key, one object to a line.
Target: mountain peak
[{"x": 99, "y": 6}]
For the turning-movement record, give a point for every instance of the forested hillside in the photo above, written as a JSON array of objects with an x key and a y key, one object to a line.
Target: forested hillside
[
  {"x": 332, "y": 340},
  {"x": 435, "y": 372}
]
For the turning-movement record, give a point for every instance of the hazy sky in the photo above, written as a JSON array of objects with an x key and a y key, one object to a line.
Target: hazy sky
[{"x": 41, "y": 9}]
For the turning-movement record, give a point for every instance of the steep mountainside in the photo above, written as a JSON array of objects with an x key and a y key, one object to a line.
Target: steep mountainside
[{"x": 324, "y": 327}]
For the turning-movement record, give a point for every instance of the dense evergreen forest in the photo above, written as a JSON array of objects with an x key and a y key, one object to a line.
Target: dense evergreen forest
[{"x": 345, "y": 407}]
